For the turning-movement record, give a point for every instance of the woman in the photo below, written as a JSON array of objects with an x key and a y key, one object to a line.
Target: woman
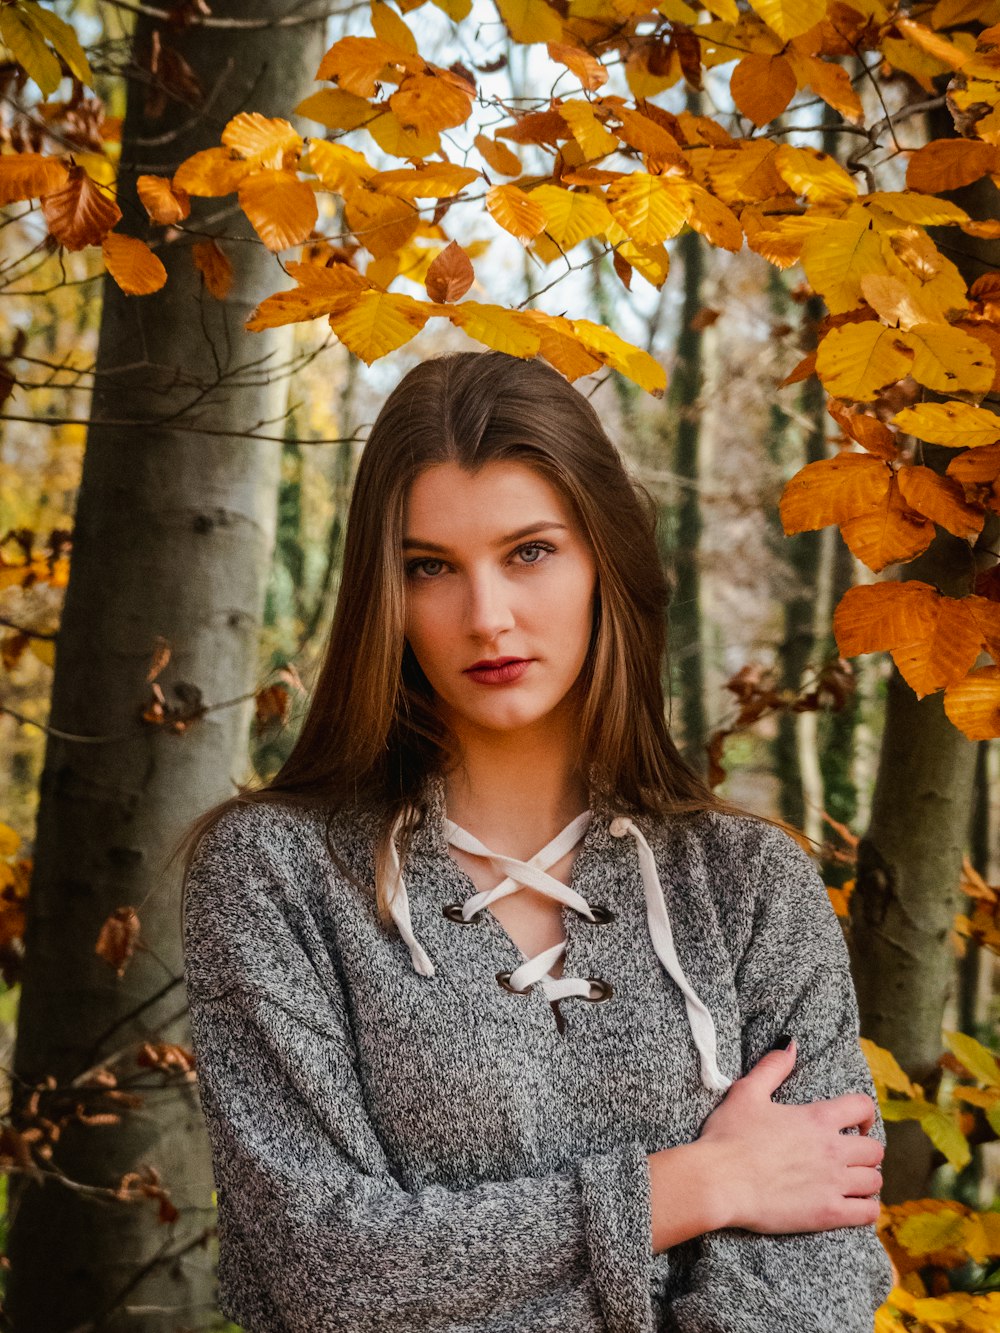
[{"x": 483, "y": 984}]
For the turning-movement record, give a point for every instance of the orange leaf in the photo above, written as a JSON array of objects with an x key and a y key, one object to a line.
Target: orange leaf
[
  {"x": 973, "y": 705},
  {"x": 132, "y": 264},
  {"x": 948, "y": 164},
  {"x": 871, "y": 433},
  {"x": 320, "y": 290},
  {"x": 941, "y": 499},
  {"x": 165, "y": 202},
  {"x": 382, "y": 225},
  {"x": 515, "y": 211},
  {"x": 29, "y": 176},
  {"x": 214, "y": 266},
  {"x": 80, "y": 214},
  {"x": 587, "y": 68},
  {"x": 357, "y": 62},
  {"x": 498, "y": 156},
  {"x": 560, "y": 345},
  {"x": 884, "y": 536},
  {"x": 427, "y": 103},
  {"x": 211, "y": 173},
  {"x": 450, "y": 274},
  {"x": 261, "y": 139},
  {"x": 833, "y": 490},
  {"x": 762, "y": 86},
  {"x": 281, "y": 207}
]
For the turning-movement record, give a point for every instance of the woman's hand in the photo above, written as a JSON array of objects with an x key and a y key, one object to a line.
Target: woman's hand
[{"x": 781, "y": 1168}]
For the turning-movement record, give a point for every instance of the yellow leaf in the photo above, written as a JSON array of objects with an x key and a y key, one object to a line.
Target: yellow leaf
[
  {"x": 27, "y": 46},
  {"x": 857, "y": 360},
  {"x": 594, "y": 140},
  {"x": 281, "y": 208},
  {"x": 650, "y": 208},
  {"x": 790, "y": 18},
  {"x": 925, "y": 1233},
  {"x": 431, "y": 180},
  {"x": 886, "y": 1071},
  {"x": 388, "y": 26},
  {"x": 515, "y": 211},
  {"x": 980, "y": 1062},
  {"x": 10, "y": 840},
  {"x": 946, "y": 359},
  {"x": 400, "y": 141},
  {"x": 571, "y": 216},
  {"x": 957, "y": 425},
  {"x": 836, "y": 258},
  {"x": 132, "y": 264},
  {"x": 29, "y": 176},
  {"x": 632, "y": 362},
  {"x": 62, "y": 36},
  {"x": 336, "y": 109},
  {"x": 338, "y": 167},
  {"x": 376, "y": 323},
  {"x": 815, "y": 176},
  {"x": 895, "y": 301},
  {"x": 260, "y": 139},
  {"x": 920, "y": 209},
  {"x": 496, "y": 327},
  {"x": 531, "y": 21}
]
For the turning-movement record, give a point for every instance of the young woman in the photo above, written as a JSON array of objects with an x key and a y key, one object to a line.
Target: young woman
[{"x": 491, "y": 996}]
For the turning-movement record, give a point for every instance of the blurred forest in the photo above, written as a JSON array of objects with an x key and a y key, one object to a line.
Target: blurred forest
[{"x": 178, "y": 690}]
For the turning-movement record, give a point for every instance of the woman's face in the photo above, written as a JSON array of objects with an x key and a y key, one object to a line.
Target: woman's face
[{"x": 496, "y": 568}]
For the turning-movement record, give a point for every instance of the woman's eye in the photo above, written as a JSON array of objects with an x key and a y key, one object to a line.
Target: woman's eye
[
  {"x": 417, "y": 568},
  {"x": 538, "y": 549}
]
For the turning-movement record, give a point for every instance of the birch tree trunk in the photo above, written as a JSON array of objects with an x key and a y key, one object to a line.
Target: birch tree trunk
[{"x": 173, "y": 538}]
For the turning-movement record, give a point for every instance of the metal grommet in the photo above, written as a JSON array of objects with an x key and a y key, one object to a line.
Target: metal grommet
[
  {"x": 453, "y": 911},
  {"x": 504, "y": 980},
  {"x": 601, "y": 914},
  {"x": 605, "y": 989}
]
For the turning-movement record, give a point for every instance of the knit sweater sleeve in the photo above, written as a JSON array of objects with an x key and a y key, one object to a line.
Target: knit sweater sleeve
[
  {"x": 315, "y": 1230},
  {"x": 793, "y": 977}
]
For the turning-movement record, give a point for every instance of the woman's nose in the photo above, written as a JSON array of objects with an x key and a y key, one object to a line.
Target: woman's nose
[{"x": 488, "y": 608}]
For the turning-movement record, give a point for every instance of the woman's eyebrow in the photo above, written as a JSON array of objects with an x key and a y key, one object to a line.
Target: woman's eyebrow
[{"x": 415, "y": 543}]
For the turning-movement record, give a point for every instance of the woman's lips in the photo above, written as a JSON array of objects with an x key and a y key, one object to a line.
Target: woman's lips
[{"x": 503, "y": 675}]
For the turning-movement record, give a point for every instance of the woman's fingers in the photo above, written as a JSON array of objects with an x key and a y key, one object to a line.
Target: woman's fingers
[
  {"x": 850, "y": 1109},
  {"x": 862, "y": 1181},
  {"x": 860, "y": 1150}
]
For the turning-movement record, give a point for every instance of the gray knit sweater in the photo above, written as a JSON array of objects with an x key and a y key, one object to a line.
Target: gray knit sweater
[{"x": 397, "y": 1152}]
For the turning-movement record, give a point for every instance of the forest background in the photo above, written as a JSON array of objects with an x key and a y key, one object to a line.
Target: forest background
[{"x": 763, "y": 239}]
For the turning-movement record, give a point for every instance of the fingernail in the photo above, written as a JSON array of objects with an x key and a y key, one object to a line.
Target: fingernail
[{"x": 781, "y": 1042}]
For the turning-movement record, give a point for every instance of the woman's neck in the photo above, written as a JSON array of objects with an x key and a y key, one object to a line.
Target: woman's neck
[{"x": 516, "y": 792}]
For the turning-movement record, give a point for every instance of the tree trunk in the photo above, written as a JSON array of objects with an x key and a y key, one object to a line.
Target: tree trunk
[
  {"x": 909, "y": 860},
  {"x": 174, "y": 531}
]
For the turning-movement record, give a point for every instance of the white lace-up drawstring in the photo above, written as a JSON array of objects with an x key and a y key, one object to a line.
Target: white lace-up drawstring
[{"x": 532, "y": 874}]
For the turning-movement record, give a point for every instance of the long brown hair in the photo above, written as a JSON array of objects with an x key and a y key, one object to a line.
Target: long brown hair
[{"x": 371, "y": 734}]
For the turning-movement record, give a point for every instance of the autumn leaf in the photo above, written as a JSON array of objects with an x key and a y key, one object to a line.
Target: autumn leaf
[
  {"x": 211, "y": 173},
  {"x": 263, "y": 140},
  {"x": 973, "y": 705},
  {"x": 320, "y": 290},
  {"x": 214, "y": 266},
  {"x": 450, "y": 274},
  {"x": 80, "y": 213},
  {"x": 132, "y": 264},
  {"x": 281, "y": 207},
  {"x": 29, "y": 176},
  {"x": 530, "y": 21},
  {"x": 762, "y": 86},
  {"x": 515, "y": 211},
  {"x": 165, "y": 202},
  {"x": 374, "y": 323}
]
